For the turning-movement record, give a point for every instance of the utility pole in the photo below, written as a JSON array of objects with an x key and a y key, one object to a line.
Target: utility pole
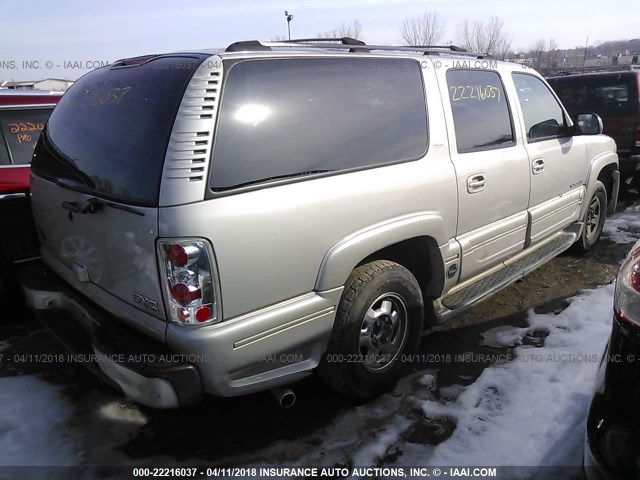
[
  {"x": 289, "y": 17},
  {"x": 584, "y": 59}
]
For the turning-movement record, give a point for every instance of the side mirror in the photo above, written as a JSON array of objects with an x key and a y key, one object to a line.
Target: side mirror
[{"x": 588, "y": 124}]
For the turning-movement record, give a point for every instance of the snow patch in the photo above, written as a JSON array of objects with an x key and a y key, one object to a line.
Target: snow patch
[
  {"x": 33, "y": 424},
  {"x": 503, "y": 336},
  {"x": 531, "y": 411},
  {"x": 623, "y": 227},
  {"x": 426, "y": 380}
]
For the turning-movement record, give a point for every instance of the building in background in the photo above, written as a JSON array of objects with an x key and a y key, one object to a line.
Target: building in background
[{"x": 49, "y": 84}]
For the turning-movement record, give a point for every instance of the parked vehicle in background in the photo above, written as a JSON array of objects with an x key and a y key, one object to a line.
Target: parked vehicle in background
[
  {"x": 22, "y": 118},
  {"x": 612, "y": 447},
  {"x": 251, "y": 215},
  {"x": 612, "y": 94}
]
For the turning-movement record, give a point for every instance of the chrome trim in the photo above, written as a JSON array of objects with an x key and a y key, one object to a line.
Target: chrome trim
[
  {"x": 37, "y": 106},
  {"x": 12, "y": 196}
]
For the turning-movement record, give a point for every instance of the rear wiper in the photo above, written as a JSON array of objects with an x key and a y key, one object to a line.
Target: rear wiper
[
  {"x": 94, "y": 204},
  {"x": 276, "y": 177},
  {"x": 74, "y": 185}
]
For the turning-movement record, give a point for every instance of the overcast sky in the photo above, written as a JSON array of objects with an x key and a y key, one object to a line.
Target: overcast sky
[{"x": 80, "y": 31}]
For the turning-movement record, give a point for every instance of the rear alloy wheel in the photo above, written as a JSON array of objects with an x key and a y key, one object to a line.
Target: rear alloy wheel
[
  {"x": 378, "y": 324},
  {"x": 593, "y": 220}
]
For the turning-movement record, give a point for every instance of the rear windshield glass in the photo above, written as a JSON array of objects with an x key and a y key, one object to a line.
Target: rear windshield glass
[
  {"x": 292, "y": 117},
  {"x": 607, "y": 95},
  {"x": 110, "y": 130},
  {"x": 21, "y": 130}
]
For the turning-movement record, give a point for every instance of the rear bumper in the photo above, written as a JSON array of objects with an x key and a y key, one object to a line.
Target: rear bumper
[
  {"x": 268, "y": 348},
  {"x": 145, "y": 370}
]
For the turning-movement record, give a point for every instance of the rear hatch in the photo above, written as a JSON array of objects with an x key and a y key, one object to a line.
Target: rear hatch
[
  {"x": 613, "y": 96},
  {"x": 97, "y": 171}
]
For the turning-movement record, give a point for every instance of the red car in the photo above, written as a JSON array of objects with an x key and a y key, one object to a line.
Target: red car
[{"x": 22, "y": 118}]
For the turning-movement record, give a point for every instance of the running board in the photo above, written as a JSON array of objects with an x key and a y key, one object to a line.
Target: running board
[{"x": 471, "y": 292}]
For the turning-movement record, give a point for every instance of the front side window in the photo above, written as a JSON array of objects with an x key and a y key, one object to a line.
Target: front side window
[
  {"x": 543, "y": 115},
  {"x": 287, "y": 118},
  {"x": 21, "y": 129},
  {"x": 480, "y": 110}
]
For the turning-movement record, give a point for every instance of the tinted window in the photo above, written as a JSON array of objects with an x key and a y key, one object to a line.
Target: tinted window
[
  {"x": 111, "y": 129},
  {"x": 285, "y": 117},
  {"x": 4, "y": 154},
  {"x": 543, "y": 115},
  {"x": 21, "y": 129},
  {"x": 481, "y": 114},
  {"x": 606, "y": 95}
]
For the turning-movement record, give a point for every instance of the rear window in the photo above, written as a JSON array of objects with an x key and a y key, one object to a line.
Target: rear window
[
  {"x": 292, "y": 117},
  {"x": 110, "y": 131},
  {"x": 20, "y": 130},
  {"x": 607, "y": 95}
]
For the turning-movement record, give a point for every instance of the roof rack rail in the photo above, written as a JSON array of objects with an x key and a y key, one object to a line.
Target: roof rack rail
[
  {"x": 342, "y": 40},
  {"x": 598, "y": 68},
  {"x": 354, "y": 45}
]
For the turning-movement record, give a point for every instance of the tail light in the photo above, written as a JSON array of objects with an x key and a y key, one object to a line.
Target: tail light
[
  {"x": 189, "y": 281},
  {"x": 637, "y": 136},
  {"x": 627, "y": 297}
]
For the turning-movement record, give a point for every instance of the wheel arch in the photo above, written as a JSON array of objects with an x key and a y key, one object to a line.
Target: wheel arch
[
  {"x": 412, "y": 241},
  {"x": 604, "y": 168}
]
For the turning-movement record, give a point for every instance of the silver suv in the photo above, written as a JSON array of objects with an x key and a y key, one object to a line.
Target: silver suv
[{"x": 224, "y": 222}]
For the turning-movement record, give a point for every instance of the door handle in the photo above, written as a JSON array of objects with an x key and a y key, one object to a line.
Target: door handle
[
  {"x": 537, "y": 166},
  {"x": 476, "y": 183}
]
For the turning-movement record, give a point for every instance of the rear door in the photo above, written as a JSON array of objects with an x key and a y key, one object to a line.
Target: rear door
[
  {"x": 491, "y": 169},
  {"x": 558, "y": 162},
  {"x": 97, "y": 174}
]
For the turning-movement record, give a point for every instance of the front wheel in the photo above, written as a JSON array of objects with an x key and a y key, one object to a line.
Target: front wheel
[
  {"x": 378, "y": 324},
  {"x": 594, "y": 220}
]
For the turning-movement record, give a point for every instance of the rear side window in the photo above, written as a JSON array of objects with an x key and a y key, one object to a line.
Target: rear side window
[
  {"x": 543, "y": 115},
  {"x": 481, "y": 115},
  {"x": 110, "y": 130},
  {"x": 292, "y": 117},
  {"x": 21, "y": 130},
  {"x": 607, "y": 95}
]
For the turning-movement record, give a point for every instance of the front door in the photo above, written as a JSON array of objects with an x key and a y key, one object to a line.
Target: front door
[{"x": 558, "y": 161}]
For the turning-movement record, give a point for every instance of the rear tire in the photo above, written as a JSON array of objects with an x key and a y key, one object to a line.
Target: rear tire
[
  {"x": 378, "y": 323},
  {"x": 593, "y": 220}
]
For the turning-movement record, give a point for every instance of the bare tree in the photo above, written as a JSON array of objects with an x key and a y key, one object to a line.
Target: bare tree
[
  {"x": 553, "y": 55},
  {"x": 353, "y": 30},
  {"x": 537, "y": 52},
  {"x": 426, "y": 29},
  {"x": 485, "y": 37},
  {"x": 278, "y": 38}
]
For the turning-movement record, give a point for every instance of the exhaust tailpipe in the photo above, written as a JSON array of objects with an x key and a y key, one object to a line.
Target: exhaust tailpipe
[{"x": 284, "y": 396}]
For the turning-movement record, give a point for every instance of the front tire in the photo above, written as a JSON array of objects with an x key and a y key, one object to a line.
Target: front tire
[
  {"x": 378, "y": 323},
  {"x": 594, "y": 220}
]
